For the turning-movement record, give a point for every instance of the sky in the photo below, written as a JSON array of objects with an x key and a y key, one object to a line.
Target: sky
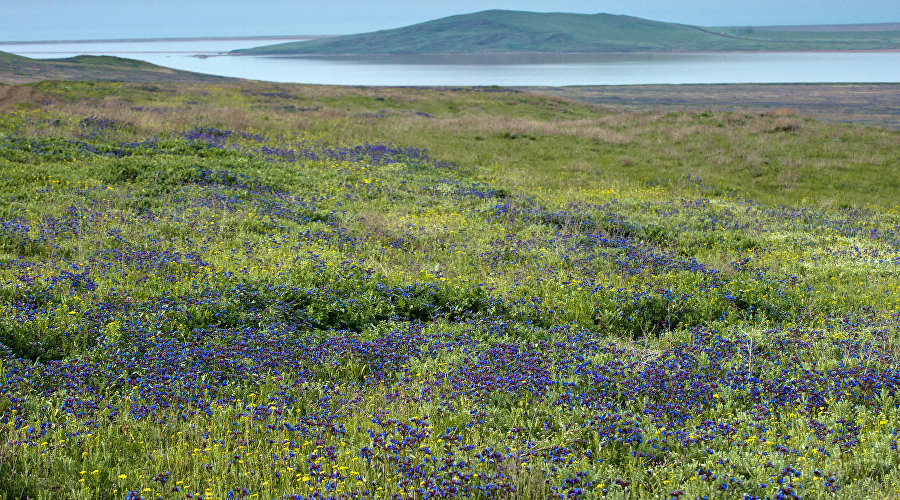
[{"x": 22, "y": 20}]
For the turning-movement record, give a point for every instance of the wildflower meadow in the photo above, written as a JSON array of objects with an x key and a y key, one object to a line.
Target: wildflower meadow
[{"x": 295, "y": 292}]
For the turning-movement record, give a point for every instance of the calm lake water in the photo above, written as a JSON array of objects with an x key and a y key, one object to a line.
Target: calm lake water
[{"x": 507, "y": 70}]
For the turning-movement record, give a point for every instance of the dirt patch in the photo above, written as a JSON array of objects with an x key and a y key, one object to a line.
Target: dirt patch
[{"x": 10, "y": 95}]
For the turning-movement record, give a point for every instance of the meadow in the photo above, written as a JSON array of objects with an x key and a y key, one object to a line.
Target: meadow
[
  {"x": 20, "y": 69},
  {"x": 281, "y": 291},
  {"x": 865, "y": 103}
]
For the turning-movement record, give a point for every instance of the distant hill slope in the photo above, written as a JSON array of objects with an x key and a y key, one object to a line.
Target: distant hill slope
[
  {"x": 498, "y": 31},
  {"x": 18, "y": 69}
]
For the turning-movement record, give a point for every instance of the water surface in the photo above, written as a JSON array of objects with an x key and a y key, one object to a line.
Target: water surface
[{"x": 508, "y": 70}]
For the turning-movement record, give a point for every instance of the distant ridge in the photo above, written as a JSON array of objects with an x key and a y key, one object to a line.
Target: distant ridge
[
  {"x": 19, "y": 69},
  {"x": 834, "y": 28},
  {"x": 504, "y": 31}
]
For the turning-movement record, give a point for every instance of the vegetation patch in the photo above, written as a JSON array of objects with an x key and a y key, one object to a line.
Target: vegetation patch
[{"x": 231, "y": 301}]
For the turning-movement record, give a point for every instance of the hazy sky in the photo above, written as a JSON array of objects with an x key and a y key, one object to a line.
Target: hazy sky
[{"x": 86, "y": 19}]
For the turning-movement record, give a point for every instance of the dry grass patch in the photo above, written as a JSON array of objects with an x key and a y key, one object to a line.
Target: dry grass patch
[{"x": 591, "y": 129}]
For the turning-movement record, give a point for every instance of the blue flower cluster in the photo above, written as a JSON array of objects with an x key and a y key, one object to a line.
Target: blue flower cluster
[{"x": 312, "y": 321}]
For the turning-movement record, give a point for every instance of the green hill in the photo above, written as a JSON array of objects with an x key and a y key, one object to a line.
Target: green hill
[
  {"x": 18, "y": 69},
  {"x": 499, "y": 31}
]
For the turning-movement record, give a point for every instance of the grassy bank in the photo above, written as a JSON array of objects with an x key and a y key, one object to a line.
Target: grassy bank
[
  {"x": 269, "y": 291},
  {"x": 18, "y": 69}
]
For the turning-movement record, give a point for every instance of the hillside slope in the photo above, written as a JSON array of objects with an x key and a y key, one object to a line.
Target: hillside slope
[
  {"x": 18, "y": 69},
  {"x": 499, "y": 31}
]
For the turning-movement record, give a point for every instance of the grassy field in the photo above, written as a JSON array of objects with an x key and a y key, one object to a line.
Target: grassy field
[
  {"x": 504, "y": 31},
  {"x": 19, "y": 69},
  {"x": 284, "y": 291},
  {"x": 864, "y": 103}
]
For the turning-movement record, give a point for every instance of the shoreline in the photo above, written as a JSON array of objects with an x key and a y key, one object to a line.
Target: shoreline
[
  {"x": 168, "y": 39},
  {"x": 646, "y": 52}
]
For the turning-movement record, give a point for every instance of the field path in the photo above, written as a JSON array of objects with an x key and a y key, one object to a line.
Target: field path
[{"x": 10, "y": 95}]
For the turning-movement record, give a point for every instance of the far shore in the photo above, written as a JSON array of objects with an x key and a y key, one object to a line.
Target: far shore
[
  {"x": 164, "y": 39},
  {"x": 527, "y": 53}
]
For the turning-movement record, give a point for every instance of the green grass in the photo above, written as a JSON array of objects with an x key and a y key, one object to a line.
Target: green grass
[
  {"x": 111, "y": 62},
  {"x": 864, "y": 103},
  {"x": 532, "y": 142},
  {"x": 227, "y": 291},
  {"x": 500, "y": 31},
  {"x": 6, "y": 56},
  {"x": 19, "y": 69}
]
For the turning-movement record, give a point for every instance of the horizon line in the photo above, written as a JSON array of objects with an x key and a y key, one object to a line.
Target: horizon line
[
  {"x": 169, "y": 39},
  {"x": 890, "y": 26}
]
